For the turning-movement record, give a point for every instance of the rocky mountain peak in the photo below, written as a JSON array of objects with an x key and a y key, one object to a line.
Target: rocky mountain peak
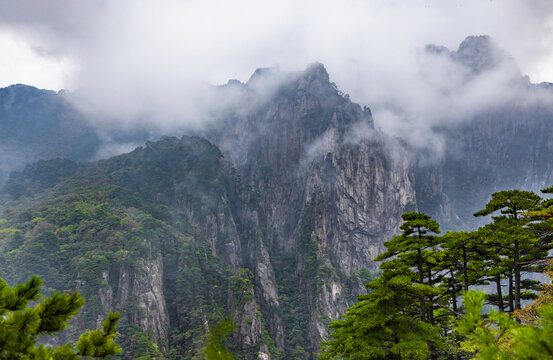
[
  {"x": 264, "y": 73},
  {"x": 316, "y": 71},
  {"x": 479, "y": 53}
]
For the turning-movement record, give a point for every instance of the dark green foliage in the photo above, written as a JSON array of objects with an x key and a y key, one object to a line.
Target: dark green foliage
[
  {"x": 108, "y": 219},
  {"x": 418, "y": 291},
  {"x": 510, "y": 203},
  {"x": 518, "y": 248},
  {"x": 39, "y": 176},
  {"x": 307, "y": 244},
  {"x": 138, "y": 345},
  {"x": 416, "y": 247},
  {"x": 190, "y": 166},
  {"x": 99, "y": 343},
  {"x": 242, "y": 285},
  {"x": 365, "y": 275},
  {"x": 385, "y": 323},
  {"x": 292, "y": 301},
  {"x": 397, "y": 319},
  {"x": 20, "y": 325}
]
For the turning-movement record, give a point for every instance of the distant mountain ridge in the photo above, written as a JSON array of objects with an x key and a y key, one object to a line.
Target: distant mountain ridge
[
  {"x": 504, "y": 145},
  {"x": 40, "y": 124}
]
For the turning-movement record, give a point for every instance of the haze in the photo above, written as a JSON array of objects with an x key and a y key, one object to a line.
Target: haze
[{"x": 146, "y": 61}]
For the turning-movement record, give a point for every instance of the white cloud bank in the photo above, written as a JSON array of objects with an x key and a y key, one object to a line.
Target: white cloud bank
[{"x": 152, "y": 61}]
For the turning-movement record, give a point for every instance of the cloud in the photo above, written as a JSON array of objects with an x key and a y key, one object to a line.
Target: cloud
[
  {"x": 154, "y": 62},
  {"x": 20, "y": 63}
]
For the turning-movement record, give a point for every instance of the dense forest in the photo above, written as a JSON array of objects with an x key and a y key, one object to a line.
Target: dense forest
[{"x": 424, "y": 306}]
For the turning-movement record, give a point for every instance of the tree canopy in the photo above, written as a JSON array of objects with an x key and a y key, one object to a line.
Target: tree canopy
[
  {"x": 412, "y": 310},
  {"x": 20, "y": 325}
]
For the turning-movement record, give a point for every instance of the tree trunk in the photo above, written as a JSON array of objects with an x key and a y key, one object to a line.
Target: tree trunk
[
  {"x": 453, "y": 293},
  {"x": 465, "y": 273},
  {"x": 421, "y": 281},
  {"x": 517, "y": 276},
  {"x": 511, "y": 297},
  {"x": 499, "y": 293},
  {"x": 430, "y": 304}
]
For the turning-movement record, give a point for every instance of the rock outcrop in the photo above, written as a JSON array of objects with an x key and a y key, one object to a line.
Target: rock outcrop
[{"x": 303, "y": 151}]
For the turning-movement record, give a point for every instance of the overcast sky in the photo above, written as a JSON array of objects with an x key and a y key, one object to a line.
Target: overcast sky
[
  {"x": 60, "y": 43},
  {"x": 135, "y": 57}
]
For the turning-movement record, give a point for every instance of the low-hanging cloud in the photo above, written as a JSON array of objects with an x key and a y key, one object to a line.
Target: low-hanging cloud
[{"x": 154, "y": 63}]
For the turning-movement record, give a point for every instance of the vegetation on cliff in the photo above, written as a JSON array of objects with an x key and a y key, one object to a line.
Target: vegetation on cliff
[{"x": 122, "y": 233}]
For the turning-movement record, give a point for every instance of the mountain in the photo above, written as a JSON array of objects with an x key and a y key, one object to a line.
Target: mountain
[
  {"x": 504, "y": 144},
  {"x": 165, "y": 234},
  {"x": 39, "y": 124},
  {"x": 330, "y": 199},
  {"x": 284, "y": 241},
  {"x": 300, "y": 148},
  {"x": 271, "y": 215}
]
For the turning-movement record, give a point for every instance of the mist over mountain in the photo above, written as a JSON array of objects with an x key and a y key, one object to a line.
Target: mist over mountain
[
  {"x": 499, "y": 141},
  {"x": 38, "y": 124},
  {"x": 272, "y": 206}
]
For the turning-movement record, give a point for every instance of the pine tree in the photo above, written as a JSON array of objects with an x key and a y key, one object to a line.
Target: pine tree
[
  {"x": 396, "y": 320},
  {"x": 416, "y": 247},
  {"x": 385, "y": 324},
  {"x": 520, "y": 246},
  {"x": 20, "y": 325},
  {"x": 497, "y": 336},
  {"x": 463, "y": 261}
]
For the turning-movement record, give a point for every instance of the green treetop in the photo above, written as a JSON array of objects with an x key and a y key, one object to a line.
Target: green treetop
[
  {"x": 511, "y": 203},
  {"x": 385, "y": 324},
  {"x": 515, "y": 241},
  {"x": 416, "y": 247},
  {"x": 20, "y": 325}
]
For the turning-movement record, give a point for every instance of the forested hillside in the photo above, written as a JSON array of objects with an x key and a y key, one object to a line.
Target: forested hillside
[{"x": 165, "y": 235}]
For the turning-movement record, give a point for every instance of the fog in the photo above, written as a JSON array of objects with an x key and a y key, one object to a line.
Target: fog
[{"x": 150, "y": 63}]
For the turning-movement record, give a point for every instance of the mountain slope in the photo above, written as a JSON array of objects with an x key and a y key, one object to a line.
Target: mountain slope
[
  {"x": 166, "y": 235},
  {"x": 39, "y": 124}
]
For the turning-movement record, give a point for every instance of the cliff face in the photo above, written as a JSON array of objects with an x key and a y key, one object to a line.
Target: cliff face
[
  {"x": 306, "y": 140},
  {"x": 330, "y": 194}
]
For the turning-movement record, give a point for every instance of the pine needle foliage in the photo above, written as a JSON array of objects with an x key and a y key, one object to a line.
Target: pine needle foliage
[
  {"x": 498, "y": 336},
  {"x": 20, "y": 325}
]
